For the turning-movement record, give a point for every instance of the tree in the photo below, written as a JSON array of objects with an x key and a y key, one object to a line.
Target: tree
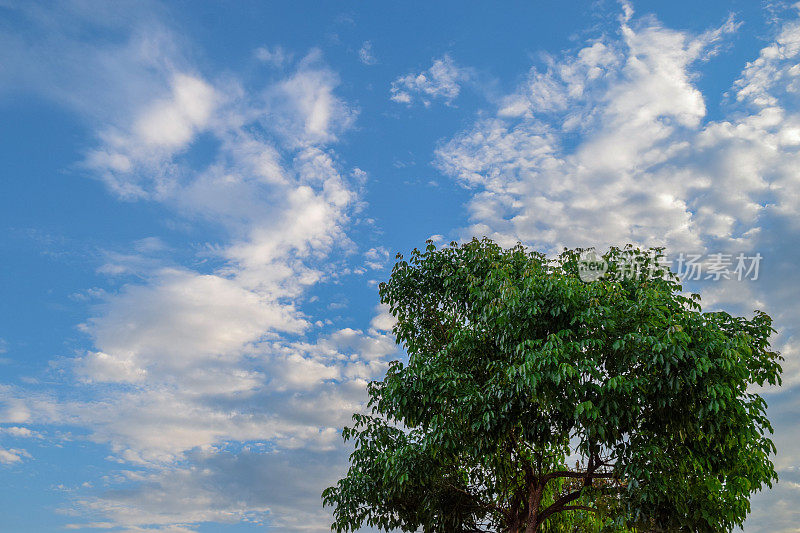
[{"x": 516, "y": 366}]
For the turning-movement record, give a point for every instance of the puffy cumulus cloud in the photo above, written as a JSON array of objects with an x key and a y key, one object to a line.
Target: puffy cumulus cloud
[
  {"x": 225, "y": 485},
  {"x": 181, "y": 319},
  {"x": 207, "y": 354},
  {"x": 384, "y": 320},
  {"x": 360, "y": 356},
  {"x": 17, "y": 431},
  {"x": 773, "y": 74},
  {"x": 631, "y": 103},
  {"x": 12, "y": 455},
  {"x": 442, "y": 80},
  {"x": 157, "y": 426},
  {"x": 611, "y": 145},
  {"x": 288, "y": 394}
]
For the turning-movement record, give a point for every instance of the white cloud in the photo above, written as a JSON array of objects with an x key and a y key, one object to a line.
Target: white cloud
[
  {"x": 307, "y": 110},
  {"x": 173, "y": 122},
  {"x": 633, "y": 107},
  {"x": 181, "y": 319},
  {"x": 275, "y": 56},
  {"x": 137, "y": 163},
  {"x": 376, "y": 258},
  {"x": 202, "y": 355},
  {"x": 187, "y": 340},
  {"x": 18, "y": 431},
  {"x": 768, "y": 78},
  {"x": 366, "y": 55},
  {"x": 384, "y": 320},
  {"x": 11, "y": 456},
  {"x": 641, "y": 169},
  {"x": 250, "y": 485},
  {"x": 441, "y": 81}
]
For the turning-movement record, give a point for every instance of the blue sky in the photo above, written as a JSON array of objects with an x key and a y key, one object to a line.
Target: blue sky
[{"x": 198, "y": 201}]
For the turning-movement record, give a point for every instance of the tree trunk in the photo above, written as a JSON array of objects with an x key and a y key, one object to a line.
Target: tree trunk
[{"x": 534, "y": 502}]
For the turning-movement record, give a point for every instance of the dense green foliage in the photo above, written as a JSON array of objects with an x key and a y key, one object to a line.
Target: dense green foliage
[{"x": 516, "y": 366}]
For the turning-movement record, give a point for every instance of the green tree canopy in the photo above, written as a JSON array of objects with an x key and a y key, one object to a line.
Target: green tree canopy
[{"x": 516, "y": 367}]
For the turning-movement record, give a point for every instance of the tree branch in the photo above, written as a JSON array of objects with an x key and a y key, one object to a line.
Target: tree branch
[
  {"x": 561, "y": 503},
  {"x": 578, "y": 508},
  {"x": 558, "y": 505},
  {"x": 578, "y": 475}
]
